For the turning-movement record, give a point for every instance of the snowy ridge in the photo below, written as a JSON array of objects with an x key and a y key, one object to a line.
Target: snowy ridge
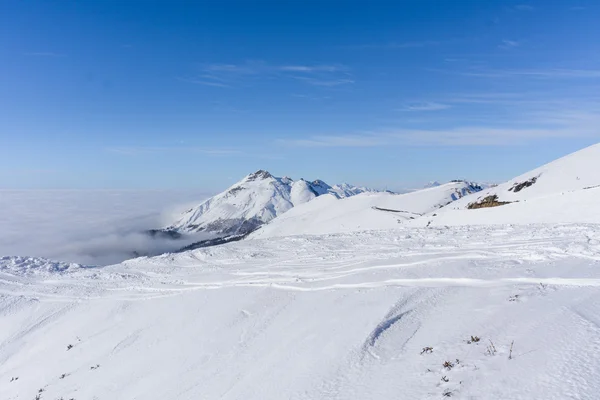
[
  {"x": 253, "y": 201},
  {"x": 574, "y": 172},
  {"x": 366, "y": 211},
  {"x": 563, "y": 191}
]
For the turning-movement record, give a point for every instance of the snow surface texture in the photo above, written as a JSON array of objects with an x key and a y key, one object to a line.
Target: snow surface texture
[
  {"x": 88, "y": 226},
  {"x": 367, "y": 211},
  {"x": 256, "y": 199},
  {"x": 343, "y": 316}
]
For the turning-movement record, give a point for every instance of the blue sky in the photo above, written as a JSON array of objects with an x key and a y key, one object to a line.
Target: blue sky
[{"x": 196, "y": 94}]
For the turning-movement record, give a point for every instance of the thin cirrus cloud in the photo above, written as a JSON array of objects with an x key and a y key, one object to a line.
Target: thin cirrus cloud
[
  {"x": 43, "y": 54},
  {"x": 425, "y": 106},
  {"x": 133, "y": 151},
  {"x": 141, "y": 150},
  {"x": 205, "y": 82},
  {"x": 395, "y": 45},
  {"x": 323, "y": 82},
  {"x": 529, "y": 121},
  {"x": 524, "y": 7},
  {"x": 229, "y": 75},
  {"x": 336, "y": 141},
  {"x": 509, "y": 44},
  {"x": 552, "y": 73},
  {"x": 461, "y": 136}
]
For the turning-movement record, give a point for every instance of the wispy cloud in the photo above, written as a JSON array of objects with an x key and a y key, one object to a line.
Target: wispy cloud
[
  {"x": 460, "y": 136},
  {"x": 425, "y": 106},
  {"x": 396, "y": 45},
  {"x": 524, "y": 7},
  {"x": 336, "y": 141},
  {"x": 522, "y": 121},
  {"x": 227, "y": 75},
  {"x": 509, "y": 44},
  {"x": 324, "y": 82},
  {"x": 28, "y": 171},
  {"x": 306, "y": 96},
  {"x": 313, "y": 68},
  {"x": 551, "y": 73},
  {"x": 43, "y": 54},
  {"x": 205, "y": 82},
  {"x": 141, "y": 150}
]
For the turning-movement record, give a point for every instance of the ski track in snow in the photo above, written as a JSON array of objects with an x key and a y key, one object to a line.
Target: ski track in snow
[{"x": 341, "y": 316}]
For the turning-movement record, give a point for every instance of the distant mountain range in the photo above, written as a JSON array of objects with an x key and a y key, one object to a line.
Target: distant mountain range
[
  {"x": 253, "y": 201},
  {"x": 564, "y": 190}
]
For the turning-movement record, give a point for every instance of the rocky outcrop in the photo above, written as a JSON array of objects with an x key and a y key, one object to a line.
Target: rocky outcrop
[
  {"x": 517, "y": 187},
  {"x": 486, "y": 202}
]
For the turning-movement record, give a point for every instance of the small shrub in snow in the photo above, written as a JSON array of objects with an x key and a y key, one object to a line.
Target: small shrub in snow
[
  {"x": 491, "y": 349},
  {"x": 511, "y": 348},
  {"x": 14, "y": 378},
  {"x": 95, "y": 366},
  {"x": 514, "y": 298},
  {"x": 427, "y": 350},
  {"x": 69, "y": 347},
  {"x": 63, "y": 376},
  {"x": 448, "y": 365},
  {"x": 445, "y": 379},
  {"x": 447, "y": 393},
  {"x": 474, "y": 339}
]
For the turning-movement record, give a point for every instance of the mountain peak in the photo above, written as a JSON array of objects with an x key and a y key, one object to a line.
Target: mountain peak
[
  {"x": 432, "y": 184},
  {"x": 260, "y": 174}
]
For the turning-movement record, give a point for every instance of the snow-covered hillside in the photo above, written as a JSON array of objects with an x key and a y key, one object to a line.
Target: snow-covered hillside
[
  {"x": 563, "y": 191},
  {"x": 471, "y": 313},
  {"x": 366, "y": 211},
  {"x": 256, "y": 199}
]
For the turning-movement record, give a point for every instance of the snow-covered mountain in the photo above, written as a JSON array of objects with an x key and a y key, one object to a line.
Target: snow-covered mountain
[
  {"x": 366, "y": 211},
  {"x": 431, "y": 184},
  {"x": 562, "y": 191},
  {"x": 253, "y": 201}
]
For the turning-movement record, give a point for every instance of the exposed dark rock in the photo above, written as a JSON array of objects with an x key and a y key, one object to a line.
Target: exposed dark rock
[
  {"x": 230, "y": 227},
  {"x": 260, "y": 174},
  {"x": 212, "y": 242},
  {"x": 517, "y": 187},
  {"x": 234, "y": 190},
  {"x": 486, "y": 202}
]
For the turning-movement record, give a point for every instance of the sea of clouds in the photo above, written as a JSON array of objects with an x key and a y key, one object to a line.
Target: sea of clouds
[{"x": 92, "y": 227}]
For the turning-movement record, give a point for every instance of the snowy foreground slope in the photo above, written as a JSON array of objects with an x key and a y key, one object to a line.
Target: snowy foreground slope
[
  {"x": 563, "y": 191},
  {"x": 314, "y": 317},
  {"x": 366, "y": 211}
]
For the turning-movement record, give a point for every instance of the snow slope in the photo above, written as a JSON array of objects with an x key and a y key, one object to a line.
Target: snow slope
[
  {"x": 337, "y": 317},
  {"x": 563, "y": 191},
  {"x": 366, "y": 211},
  {"x": 256, "y": 199}
]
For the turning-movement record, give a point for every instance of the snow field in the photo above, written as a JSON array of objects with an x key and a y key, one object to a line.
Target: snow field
[{"x": 343, "y": 316}]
